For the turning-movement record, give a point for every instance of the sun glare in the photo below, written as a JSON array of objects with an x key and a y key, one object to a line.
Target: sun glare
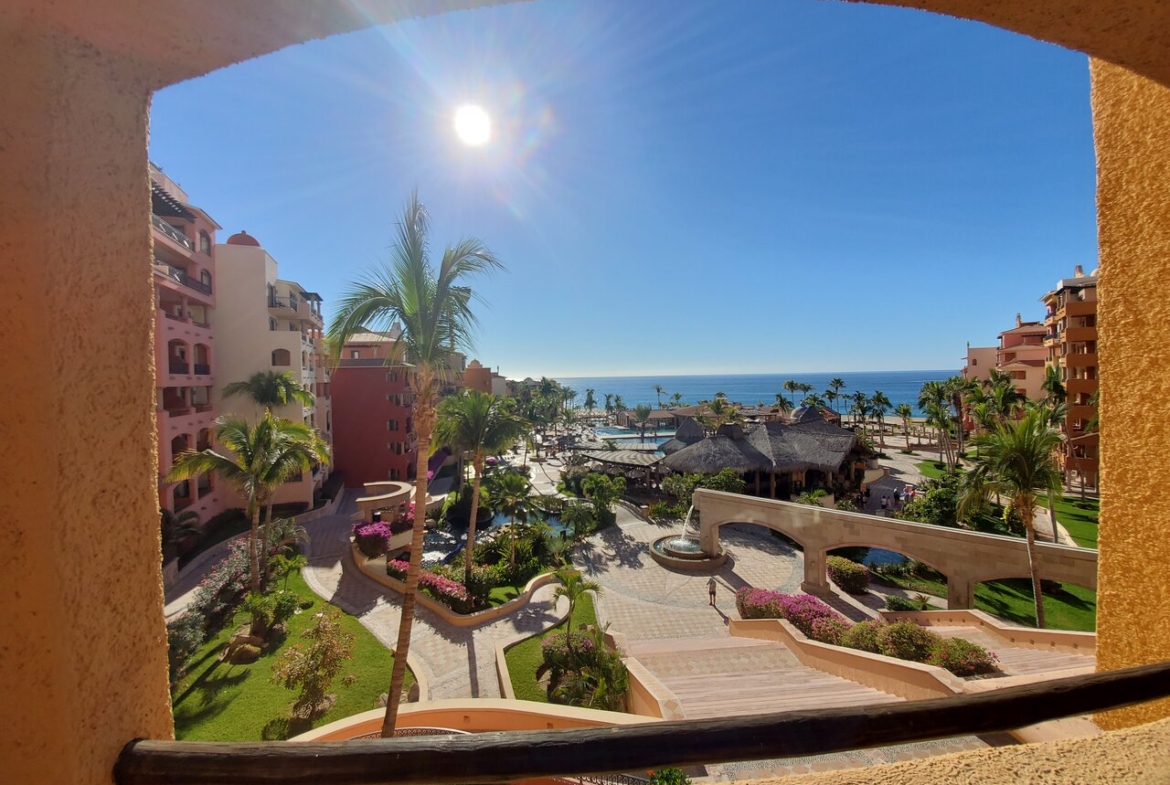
[{"x": 473, "y": 126}]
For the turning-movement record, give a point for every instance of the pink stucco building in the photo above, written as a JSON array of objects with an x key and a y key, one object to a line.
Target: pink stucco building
[{"x": 184, "y": 340}]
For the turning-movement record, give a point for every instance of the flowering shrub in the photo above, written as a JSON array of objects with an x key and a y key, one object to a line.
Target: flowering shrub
[
  {"x": 184, "y": 636},
  {"x": 850, "y": 576},
  {"x": 670, "y": 776},
  {"x": 558, "y": 654},
  {"x": 451, "y": 593},
  {"x": 799, "y": 610},
  {"x": 863, "y": 636},
  {"x": 905, "y": 640},
  {"x": 961, "y": 657},
  {"x": 224, "y": 586},
  {"x": 372, "y": 539},
  {"x": 829, "y": 631}
]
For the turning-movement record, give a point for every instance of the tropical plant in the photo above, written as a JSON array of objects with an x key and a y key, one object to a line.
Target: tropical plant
[
  {"x": 717, "y": 414},
  {"x": 590, "y": 401},
  {"x": 905, "y": 411},
  {"x": 834, "y": 391},
  {"x": 658, "y": 390},
  {"x": 176, "y": 527},
  {"x": 603, "y": 491},
  {"x": 813, "y": 399},
  {"x": 513, "y": 494},
  {"x": 262, "y": 457},
  {"x": 572, "y": 586},
  {"x": 481, "y": 424},
  {"x": 861, "y": 408},
  {"x": 790, "y": 386},
  {"x": 1053, "y": 386},
  {"x": 270, "y": 389},
  {"x": 879, "y": 404},
  {"x": 783, "y": 404},
  {"x": 676, "y": 400},
  {"x": 433, "y": 308},
  {"x": 609, "y": 403},
  {"x": 812, "y": 498},
  {"x": 619, "y": 405},
  {"x": 642, "y": 417},
  {"x": 313, "y": 667},
  {"x": 1016, "y": 460},
  {"x": 579, "y": 517}
]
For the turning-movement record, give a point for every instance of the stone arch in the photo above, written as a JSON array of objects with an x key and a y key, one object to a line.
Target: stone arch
[
  {"x": 863, "y": 543},
  {"x": 766, "y": 524}
]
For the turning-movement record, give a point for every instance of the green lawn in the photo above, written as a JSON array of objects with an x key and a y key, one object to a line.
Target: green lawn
[
  {"x": 221, "y": 702},
  {"x": 1080, "y": 518},
  {"x": 524, "y": 658},
  {"x": 1071, "y": 608},
  {"x": 932, "y": 470}
]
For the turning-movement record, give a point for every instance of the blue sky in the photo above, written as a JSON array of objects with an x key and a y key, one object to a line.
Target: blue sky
[{"x": 675, "y": 186}]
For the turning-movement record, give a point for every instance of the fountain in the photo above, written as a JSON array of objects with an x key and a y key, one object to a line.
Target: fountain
[{"x": 683, "y": 551}]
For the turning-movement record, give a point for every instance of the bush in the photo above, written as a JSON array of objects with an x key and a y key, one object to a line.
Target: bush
[
  {"x": 669, "y": 776},
  {"x": 285, "y": 604},
  {"x": 560, "y": 656},
  {"x": 829, "y": 631},
  {"x": 184, "y": 635},
  {"x": 961, "y": 657},
  {"x": 905, "y": 640},
  {"x": 661, "y": 511},
  {"x": 850, "y": 576},
  {"x": 863, "y": 636},
  {"x": 799, "y": 610},
  {"x": 895, "y": 602},
  {"x": 372, "y": 539},
  {"x": 449, "y": 592},
  {"x": 752, "y": 603}
]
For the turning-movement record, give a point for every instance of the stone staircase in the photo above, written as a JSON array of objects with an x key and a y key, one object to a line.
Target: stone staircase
[
  {"x": 724, "y": 677},
  {"x": 1018, "y": 660}
]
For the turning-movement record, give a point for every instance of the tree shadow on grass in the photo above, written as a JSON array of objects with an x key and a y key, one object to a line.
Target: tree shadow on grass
[
  {"x": 208, "y": 685},
  {"x": 281, "y": 728}
]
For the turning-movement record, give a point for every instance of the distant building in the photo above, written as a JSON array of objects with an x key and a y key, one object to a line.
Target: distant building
[
  {"x": 185, "y": 347},
  {"x": 477, "y": 377},
  {"x": 1071, "y": 343},
  {"x": 271, "y": 324},
  {"x": 979, "y": 362},
  {"x": 1022, "y": 356}
]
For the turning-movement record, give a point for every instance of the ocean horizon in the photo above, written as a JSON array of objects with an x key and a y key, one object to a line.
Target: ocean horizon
[{"x": 751, "y": 389}]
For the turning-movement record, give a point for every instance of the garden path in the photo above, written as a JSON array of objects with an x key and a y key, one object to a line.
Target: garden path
[{"x": 457, "y": 662}]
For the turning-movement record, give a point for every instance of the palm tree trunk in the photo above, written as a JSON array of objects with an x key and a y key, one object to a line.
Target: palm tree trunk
[
  {"x": 253, "y": 556},
  {"x": 469, "y": 551},
  {"x": 263, "y": 539},
  {"x": 882, "y": 432},
  {"x": 1052, "y": 519},
  {"x": 1033, "y": 567},
  {"x": 424, "y": 423}
]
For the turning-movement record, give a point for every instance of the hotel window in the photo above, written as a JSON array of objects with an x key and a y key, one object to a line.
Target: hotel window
[
  {"x": 205, "y": 243},
  {"x": 355, "y": 354},
  {"x": 392, "y": 425},
  {"x": 205, "y": 278},
  {"x": 393, "y": 474},
  {"x": 974, "y": 362},
  {"x": 272, "y": 325}
]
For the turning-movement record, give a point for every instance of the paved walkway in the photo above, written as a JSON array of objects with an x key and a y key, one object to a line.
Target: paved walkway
[{"x": 457, "y": 662}]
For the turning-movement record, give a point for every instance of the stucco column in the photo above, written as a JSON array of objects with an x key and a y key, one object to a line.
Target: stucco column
[
  {"x": 83, "y": 660},
  {"x": 960, "y": 593},
  {"x": 815, "y": 580},
  {"x": 1131, "y": 116}
]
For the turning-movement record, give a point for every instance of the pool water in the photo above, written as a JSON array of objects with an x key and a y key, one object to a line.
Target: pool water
[{"x": 441, "y": 545}]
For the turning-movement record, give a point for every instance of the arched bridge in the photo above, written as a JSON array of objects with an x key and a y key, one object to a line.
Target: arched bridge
[{"x": 965, "y": 557}]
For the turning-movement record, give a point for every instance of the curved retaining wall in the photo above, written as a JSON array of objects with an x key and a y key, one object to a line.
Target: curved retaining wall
[
  {"x": 448, "y": 615},
  {"x": 1022, "y": 637}
]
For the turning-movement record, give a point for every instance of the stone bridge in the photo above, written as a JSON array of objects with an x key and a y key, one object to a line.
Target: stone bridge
[{"x": 965, "y": 557}]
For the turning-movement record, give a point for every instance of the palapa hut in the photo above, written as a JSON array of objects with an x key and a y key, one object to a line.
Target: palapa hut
[
  {"x": 687, "y": 434},
  {"x": 778, "y": 459}
]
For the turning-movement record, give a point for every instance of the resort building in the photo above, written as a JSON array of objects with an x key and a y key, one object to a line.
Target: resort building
[
  {"x": 979, "y": 361},
  {"x": 1071, "y": 343},
  {"x": 477, "y": 377},
  {"x": 1022, "y": 356},
  {"x": 275, "y": 325},
  {"x": 185, "y": 350},
  {"x": 372, "y": 439}
]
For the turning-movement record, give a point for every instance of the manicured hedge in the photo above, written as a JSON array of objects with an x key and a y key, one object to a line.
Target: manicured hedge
[{"x": 849, "y": 575}]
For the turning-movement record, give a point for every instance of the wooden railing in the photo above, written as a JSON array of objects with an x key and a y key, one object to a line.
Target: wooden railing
[{"x": 507, "y": 757}]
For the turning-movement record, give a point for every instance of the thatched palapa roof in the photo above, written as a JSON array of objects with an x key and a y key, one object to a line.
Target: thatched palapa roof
[
  {"x": 638, "y": 458},
  {"x": 728, "y": 449},
  {"x": 690, "y": 432}
]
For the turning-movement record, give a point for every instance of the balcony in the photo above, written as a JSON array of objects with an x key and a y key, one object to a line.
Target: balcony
[
  {"x": 201, "y": 369},
  {"x": 183, "y": 412},
  {"x": 172, "y": 233},
  {"x": 179, "y": 367},
  {"x": 181, "y": 277},
  {"x": 283, "y": 304}
]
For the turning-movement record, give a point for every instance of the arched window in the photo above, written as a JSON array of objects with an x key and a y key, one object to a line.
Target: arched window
[
  {"x": 281, "y": 358},
  {"x": 205, "y": 243},
  {"x": 205, "y": 278}
]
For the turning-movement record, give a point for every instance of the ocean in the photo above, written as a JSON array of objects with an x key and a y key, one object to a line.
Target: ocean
[{"x": 750, "y": 389}]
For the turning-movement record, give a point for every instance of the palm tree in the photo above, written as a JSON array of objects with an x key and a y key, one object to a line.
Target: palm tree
[
  {"x": 1053, "y": 385},
  {"x": 609, "y": 403},
  {"x": 658, "y": 390},
  {"x": 512, "y": 492},
  {"x": 1016, "y": 460},
  {"x": 590, "y": 401},
  {"x": 958, "y": 389},
  {"x": 905, "y": 411},
  {"x": 812, "y": 399},
  {"x": 619, "y": 405},
  {"x": 861, "y": 407},
  {"x": 676, "y": 400},
  {"x": 270, "y": 389},
  {"x": 642, "y": 417},
  {"x": 578, "y": 517},
  {"x": 835, "y": 385},
  {"x": 879, "y": 404},
  {"x": 791, "y": 386},
  {"x": 262, "y": 457},
  {"x": 932, "y": 400},
  {"x": 176, "y": 527},
  {"x": 783, "y": 403},
  {"x": 480, "y": 424},
  {"x": 572, "y": 586},
  {"x": 433, "y": 308}
]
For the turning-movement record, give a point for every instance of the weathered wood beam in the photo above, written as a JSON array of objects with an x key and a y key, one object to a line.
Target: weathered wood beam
[{"x": 505, "y": 757}]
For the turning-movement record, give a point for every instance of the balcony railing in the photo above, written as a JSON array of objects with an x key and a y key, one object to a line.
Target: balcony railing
[
  {"x": 172, "y": 232},
  {"x": 202, "y": 369},
  {"x": 178, "y": 412},
  {"x": 203, "y": 408},
  {"x": 181, "y": 277},
  {"x": 179, "y": 367},
  {"x": 508, "y": 757},
  {"x": 283, "y": 302}
]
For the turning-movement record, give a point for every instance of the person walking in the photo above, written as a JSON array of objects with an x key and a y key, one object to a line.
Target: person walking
[{"x": 711, "y": 590}]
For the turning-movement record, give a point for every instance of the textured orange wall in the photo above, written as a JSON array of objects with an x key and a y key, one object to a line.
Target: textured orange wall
[
  {"x": 82, "y": 652},
  {"x": 1132, "y": 137}
]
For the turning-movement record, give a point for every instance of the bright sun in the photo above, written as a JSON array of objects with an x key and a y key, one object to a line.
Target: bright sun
[{"x": 472, "y": 125}]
